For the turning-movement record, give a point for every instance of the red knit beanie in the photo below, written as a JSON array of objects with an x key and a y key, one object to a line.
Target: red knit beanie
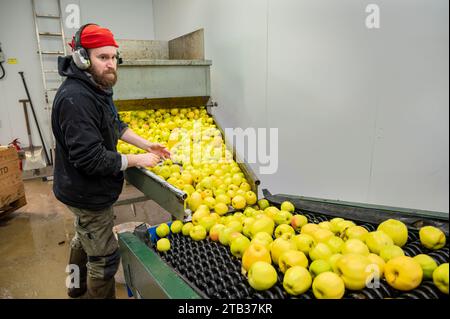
[{"x": 94, "y": 36}]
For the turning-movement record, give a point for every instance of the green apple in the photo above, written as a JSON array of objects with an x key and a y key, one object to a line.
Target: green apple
[
  {"x": 163, "y": 244},
  {"x": 297, "y": 280},
  {"x": 282, "y": 217},
  {"x": 375, "y": 240},
  {"x": 279, "y": 246},
  {"x": 187, "y": 228},
  {"x": 263, "y": 239},
  {"x": 343, "y": 226},
  {"x": 198, "y": 233},
  {"x": 263, "y": 204},
  {"x": 287, "y": 206},
  {"x": 239, "y": 245},
  {"x": 292, "y": 258},
  {"x": 298, "y": 221},
  {"x": 263, "y": 224},
  {"x": 355, "y": 246},
  {"x": 319, "y": 266},
  {"x": 262, "y": 276},
  {"x": 391, "y": 251},
  {"x": 304, "y": 243},
  {"x": 440, "y": 278},
  {"x": 356, "y": 232},
  {"x": 320, "y": 251},
  {"x": 403, "y": 273},
  {"x": 255, "y": 252},
  {"x": 328, "y": 285},
  {"x": 162, "y": 230},
  {"x": 428, "y": 265},
  {"x": 284, "y": 229},
  {"x": 354, "y": 270},
  {"x": 335, "y": 244},
  {"x": 432, "y": 237},
  {"x": 246, "y": 226},
  {"x": 396, "y": 230},
  {"x": 236, "y": 225},
  {"x": 249, "y": 211},
  {"x": 214, "y": 231}
]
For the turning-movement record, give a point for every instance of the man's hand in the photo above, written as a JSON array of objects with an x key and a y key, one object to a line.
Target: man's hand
[
  {"x": 159, "y": 150},
  {"x": 143, "y": 160}
]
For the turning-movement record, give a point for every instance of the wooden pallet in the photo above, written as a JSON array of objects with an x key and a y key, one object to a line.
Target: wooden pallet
[{"x": 11, "y": 207}]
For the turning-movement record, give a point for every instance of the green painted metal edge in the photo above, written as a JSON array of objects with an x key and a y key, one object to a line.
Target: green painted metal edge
[
  {"x": 169, "y": 281},
  {"x": 408, "y": 211}
]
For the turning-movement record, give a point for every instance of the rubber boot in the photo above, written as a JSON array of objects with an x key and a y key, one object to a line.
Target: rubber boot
[
  {"x": 79, "y": 258},
  {"x": 101, "y": 288}
]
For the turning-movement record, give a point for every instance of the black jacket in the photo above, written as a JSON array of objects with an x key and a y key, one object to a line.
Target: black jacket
[{"x": 86, "y": 128}]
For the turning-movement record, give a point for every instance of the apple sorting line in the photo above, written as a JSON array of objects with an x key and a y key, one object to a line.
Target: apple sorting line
[{"x": 213, "y": 272}]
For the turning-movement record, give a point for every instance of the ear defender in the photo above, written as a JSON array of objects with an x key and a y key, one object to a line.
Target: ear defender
[{"x": 80, "y": 55}]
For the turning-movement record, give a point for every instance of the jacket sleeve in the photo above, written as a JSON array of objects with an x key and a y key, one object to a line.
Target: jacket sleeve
[
  {"x": 122, "y": 127},
  {"x": 80, "y": 123}
]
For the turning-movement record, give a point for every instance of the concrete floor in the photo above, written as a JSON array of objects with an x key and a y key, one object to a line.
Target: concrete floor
[{"x": 35, "y": 241}]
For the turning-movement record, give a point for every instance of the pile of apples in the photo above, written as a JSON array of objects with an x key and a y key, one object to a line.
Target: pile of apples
[
  {"x": 329, "y": 258},
  {"x": 201, "y": 165}
]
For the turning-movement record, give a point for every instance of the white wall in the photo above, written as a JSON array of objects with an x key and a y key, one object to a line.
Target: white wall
[
  {"x": 362, "y": 114},
  {"x": 126, "y": 19}
]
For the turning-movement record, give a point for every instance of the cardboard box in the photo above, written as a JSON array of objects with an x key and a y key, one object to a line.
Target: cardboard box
[{"x": 12, "y": 192}]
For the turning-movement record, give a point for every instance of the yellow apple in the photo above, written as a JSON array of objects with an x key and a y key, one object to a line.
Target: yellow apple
[
  {"x": 328, "y": 285},
  {"x": 255, "y": 252},
  {"x": 322, "y": 235},
  {"x": 440, "y": 278},
  {"x": 355, "y": 246},
  {"x": 333, "y": 261},
  {"x": 282, "y": 217},
  {"x": 214, "y": 231},
  {"x": 320, "y": 251},
  {"x": 376, "y": 240},
  {"x": 325, "y": 225},
  {"x": 354, "y": 270},
  {"x": 334, "y": 224},
  {"x": 162, "y": 230},
  {"x": 432, "y": 237},
  {"x": 403, "y": 273},
  {"x": 263, "y": 239},
  {"x": 239, "y": 245},
  {"x": 271, "y": 211},
  {"x": 176, "y": 226},
  {"x": 262, "y": 276},
  {"x": 279, "y": 246},
  {"x": 238, "y": 202},
  {"x": 263, "y": 224},
  {"x": 207, "y": 222},
  {"x": 263, "y": 204},
  {"x": 428, "y": 265},
  {"x": 391, "y": 251},
  {"x": 356, "y": 232},
  {"x": 287, "y": 206},
  {"x": 343, "y": 226},
  {"x": 304, "y": 243},
  {"x": 224, "y": 235},
  {"x": 198, "y": 233},
  {"x": 335, "y": 244},
  {"x": 309, "y": 229},
  {"x": 297, "y": 280},
  {"x": 195, "y": 200},
  {"x": 298, "y": 221},
  {"x": 284, "y": 229},
  {"x": 292, "y": 258},
  {"x": 395, "y": 229},
  {"x": 250, "y": 197},
  {"x": 187, "y": 228},
  {"x": 378, "y": 264},
  {"x": 163, "y": 244}
]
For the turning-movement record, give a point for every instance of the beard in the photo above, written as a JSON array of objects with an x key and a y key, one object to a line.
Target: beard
[{"x": 106, "y": 79}]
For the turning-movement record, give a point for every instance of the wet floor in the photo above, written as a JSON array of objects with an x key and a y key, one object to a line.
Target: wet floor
[{"x": 35, "y": 239}]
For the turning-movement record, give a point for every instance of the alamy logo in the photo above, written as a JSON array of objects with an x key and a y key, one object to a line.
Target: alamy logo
[
  {"x": 73, "y": 279},
  {"x": 373, "y": 19}
]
